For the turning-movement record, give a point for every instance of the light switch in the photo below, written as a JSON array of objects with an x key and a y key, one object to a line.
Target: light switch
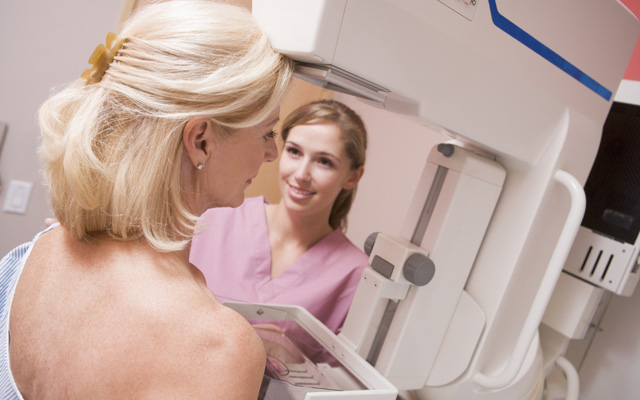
[{"x": 17, "y": 197}]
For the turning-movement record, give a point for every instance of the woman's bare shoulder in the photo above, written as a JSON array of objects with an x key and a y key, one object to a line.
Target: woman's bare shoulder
[
  {"x": 136, "y": 327},
  {"x": 205, "y": 350},
  {"x": 223, "y": 357}
]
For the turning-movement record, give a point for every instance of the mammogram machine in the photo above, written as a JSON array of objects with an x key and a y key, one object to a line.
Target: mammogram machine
[{"x": 453, "y": 303}]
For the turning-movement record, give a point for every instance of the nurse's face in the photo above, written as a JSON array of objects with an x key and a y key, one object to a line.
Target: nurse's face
[
  {"x": 237, "y": 159},
  {"x": 314, "y": 168}
]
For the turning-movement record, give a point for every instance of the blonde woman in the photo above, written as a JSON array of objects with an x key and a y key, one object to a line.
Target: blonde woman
[
  {"x": 295, "y": 251},
  {"x": 175, "y": 117}
]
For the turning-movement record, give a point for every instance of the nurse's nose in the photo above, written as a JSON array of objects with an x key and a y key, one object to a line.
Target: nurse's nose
[{"x": 302, "y": 172}]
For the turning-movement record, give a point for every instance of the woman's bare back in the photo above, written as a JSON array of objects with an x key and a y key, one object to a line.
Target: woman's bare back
[{"x": 112, "y": 319}]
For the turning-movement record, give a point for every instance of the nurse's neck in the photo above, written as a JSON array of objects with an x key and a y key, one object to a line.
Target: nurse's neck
[{"x": 306, "y": 229}]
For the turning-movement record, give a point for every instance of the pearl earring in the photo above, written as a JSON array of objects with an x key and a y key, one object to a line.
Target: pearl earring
[{"x": 200, "y": 166}]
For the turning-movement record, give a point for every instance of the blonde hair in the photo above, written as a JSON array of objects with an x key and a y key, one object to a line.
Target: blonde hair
[
  {"x": 354, "y": 138},
  {"x": 112, "y": 149}
]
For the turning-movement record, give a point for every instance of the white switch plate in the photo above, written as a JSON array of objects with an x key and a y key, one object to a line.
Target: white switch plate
[{"x": 17, "y": 197}]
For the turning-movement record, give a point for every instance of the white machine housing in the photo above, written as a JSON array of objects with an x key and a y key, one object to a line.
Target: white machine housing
[
  {"x": 448, "y": 218},
  {"x": 527, "y": 83}
]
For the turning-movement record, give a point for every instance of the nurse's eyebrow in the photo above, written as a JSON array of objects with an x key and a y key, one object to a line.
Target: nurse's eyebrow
[{"x": 330, "y": 155}]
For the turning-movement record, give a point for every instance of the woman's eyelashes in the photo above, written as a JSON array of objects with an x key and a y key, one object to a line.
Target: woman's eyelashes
[
  {"x": 292, "y": 150},
  {"x": 325, "y": 162},
  {"x": 270, "y": 135}
]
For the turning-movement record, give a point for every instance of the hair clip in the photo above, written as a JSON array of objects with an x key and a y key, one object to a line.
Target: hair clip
[{"x": 102, "y": 57}]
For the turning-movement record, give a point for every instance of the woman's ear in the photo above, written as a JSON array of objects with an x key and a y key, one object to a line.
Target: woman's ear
[
  {"x": 353, "y": 178},
  {"x": 198, "y": 137}
]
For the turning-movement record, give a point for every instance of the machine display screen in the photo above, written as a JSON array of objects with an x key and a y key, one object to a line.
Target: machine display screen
[{"x": 613, "y": 186}]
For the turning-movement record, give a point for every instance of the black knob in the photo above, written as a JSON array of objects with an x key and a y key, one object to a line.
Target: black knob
[
  {"x": 446, "y": 149},
  {"x": 368, "y": 244},
  {"x": 419, "y": 269}
]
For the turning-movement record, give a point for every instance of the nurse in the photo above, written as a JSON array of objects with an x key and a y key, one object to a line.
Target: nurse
[{"x": 294, "y": 252}]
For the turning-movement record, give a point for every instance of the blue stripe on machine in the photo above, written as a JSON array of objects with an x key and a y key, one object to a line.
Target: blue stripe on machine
[{"x": 523, "y": 37}]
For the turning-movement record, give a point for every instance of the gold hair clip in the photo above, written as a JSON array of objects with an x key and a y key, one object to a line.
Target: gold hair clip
[{"x": 102, "y": 57}]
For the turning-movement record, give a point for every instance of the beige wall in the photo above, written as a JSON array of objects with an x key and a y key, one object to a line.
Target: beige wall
[
  {"x": 130, "y": 5},
  {"x": 44, "y": 44}
]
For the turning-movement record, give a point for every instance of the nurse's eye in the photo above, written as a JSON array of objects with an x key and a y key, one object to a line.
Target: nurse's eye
[
  {"x": 270, "y": 135},
  {"x": 326, "y": 162},
  {"x": 293, "y": 151}
]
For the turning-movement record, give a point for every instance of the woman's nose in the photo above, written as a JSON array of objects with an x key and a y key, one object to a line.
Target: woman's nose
[{"x": 271, "y": 151}]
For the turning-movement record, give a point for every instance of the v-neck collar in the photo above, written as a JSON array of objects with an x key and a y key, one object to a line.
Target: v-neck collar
[{"x": 269, "y": 288}]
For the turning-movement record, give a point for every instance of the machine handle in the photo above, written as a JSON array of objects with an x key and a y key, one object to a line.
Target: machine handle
[
  {"x": 573, "y": 381},
  {"x": 560, "y": 253}
]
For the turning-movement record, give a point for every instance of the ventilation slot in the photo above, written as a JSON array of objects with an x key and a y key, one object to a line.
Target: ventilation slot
[
  {"x": 604, "y": 273},
  {"x": 586, "y": 258},
  {"x": 595, "y": 264},
  {"x": 594, "y": 267}
]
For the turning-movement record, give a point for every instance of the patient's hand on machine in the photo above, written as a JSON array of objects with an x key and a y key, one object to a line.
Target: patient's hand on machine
[{"x": 280, "y": 350}]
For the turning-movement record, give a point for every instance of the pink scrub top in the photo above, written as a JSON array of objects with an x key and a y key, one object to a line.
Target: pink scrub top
[{"x": 234, "y": 254}]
